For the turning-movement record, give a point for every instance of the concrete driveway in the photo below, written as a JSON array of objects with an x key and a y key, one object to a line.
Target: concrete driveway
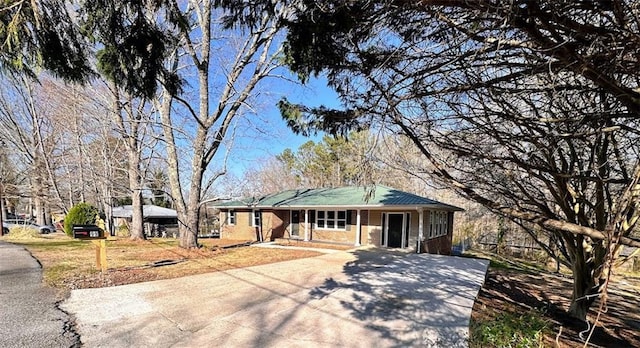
[{"x": 362, "y": 298}]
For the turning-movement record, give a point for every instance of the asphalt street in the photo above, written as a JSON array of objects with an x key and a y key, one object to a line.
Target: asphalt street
[{"x": 29, "y": 312}]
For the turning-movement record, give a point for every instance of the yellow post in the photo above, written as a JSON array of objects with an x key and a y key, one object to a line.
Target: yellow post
[{"x": 101, "y": 254}]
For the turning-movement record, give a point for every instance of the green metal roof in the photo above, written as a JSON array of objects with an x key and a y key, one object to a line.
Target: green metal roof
[{"x": 353, "y": 196}]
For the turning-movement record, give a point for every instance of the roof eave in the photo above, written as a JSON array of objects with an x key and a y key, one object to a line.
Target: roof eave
[{"x": 350, "y": 207}]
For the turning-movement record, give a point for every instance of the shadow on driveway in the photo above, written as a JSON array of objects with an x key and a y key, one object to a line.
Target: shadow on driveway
[
  {"x": 363, "y": 298},
  {"x": 410, "y": 299}
]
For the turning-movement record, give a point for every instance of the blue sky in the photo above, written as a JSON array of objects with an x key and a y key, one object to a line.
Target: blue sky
[{"x": 275, "y": 136}]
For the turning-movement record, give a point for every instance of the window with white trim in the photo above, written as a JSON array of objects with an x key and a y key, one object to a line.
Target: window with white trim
[
  {"x": 331, "y": 219},
  {"x": 255, "y": 220},
  {"x": 231, "y": 217},
  {"x": 438, "y": 223}
]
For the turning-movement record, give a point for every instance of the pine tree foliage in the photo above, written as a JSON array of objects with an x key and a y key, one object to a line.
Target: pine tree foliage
[
  {"x": 42, "y": 34},
  {"x": 133, "y": 45}
]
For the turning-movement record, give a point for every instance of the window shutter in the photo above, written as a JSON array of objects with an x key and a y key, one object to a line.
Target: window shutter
[
  {"x": 407, "y": 228},
  {"x": 382, "y": 239},
  {"x": 348, "y": 224},
  {"x": 312, "y": 218}
]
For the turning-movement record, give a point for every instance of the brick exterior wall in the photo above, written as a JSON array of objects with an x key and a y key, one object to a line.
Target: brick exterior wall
[
  {"x": 364, "y": 221},
  {"x": 273, "y": 225},
  {"x": 276, "y": 224},
  {"x": 373, "y": 230},
  {"x": 279, "y": 223},
  {"x": 440, "y": 245},
  {"x": 242, "y": 229},
  {"x": 339, "y": 236}
]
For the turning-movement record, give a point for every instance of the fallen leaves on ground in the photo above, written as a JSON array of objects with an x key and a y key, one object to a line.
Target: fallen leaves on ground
[
  {"x": 71, "y": 264},
  {"x": 518, "y": 292}
]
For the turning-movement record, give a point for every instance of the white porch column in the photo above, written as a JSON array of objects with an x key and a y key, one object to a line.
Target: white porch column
[
  {"x": 420, "y": 227},
  {"x": 358, "y": 228},
  {"x": 306, "y": 225}
]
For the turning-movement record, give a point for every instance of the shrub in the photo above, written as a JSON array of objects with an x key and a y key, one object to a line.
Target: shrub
[{"x": 80, "y": 214}]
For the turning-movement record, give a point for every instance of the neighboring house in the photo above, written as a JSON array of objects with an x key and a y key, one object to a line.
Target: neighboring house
[
  {"x": 388, "y": 218},
  {"x": 153, "y": 216}
]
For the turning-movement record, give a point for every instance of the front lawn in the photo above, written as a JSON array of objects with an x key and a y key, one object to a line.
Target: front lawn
[{"x": 71, "y": 264}]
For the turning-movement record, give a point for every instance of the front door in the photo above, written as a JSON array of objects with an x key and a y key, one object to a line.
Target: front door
[
  {"x": 295, "y": 223},
  {"x": 395, "y": 230}
]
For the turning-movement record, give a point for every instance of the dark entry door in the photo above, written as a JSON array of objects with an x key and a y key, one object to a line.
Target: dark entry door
[
  {"x": 394, "y": 230},
  {"x": 295, "y": 223}
]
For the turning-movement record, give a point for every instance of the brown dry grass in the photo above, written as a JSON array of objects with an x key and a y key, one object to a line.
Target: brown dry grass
[{"x": 71, "y": 264}]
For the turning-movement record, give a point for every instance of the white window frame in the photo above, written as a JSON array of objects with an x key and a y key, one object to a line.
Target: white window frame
[
  {"x": 291, "y": 224},
  {"x": 323, "y": 223},
  {"x": 256, "y": 218},
  {"x": 438, "y": 223},
  {"x": 231, "y": 217},
  {"x": 406, "y": 228}
]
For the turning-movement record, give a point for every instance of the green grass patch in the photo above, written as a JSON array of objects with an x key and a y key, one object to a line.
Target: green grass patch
[
  {"x": 510, "y": 330},
  {"x": 56, "y": 275}
]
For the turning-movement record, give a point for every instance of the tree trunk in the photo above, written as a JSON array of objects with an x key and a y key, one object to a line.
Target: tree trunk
[
  {"x": 38, "y": 194},
  {"x": 3, "y": 214},
  {"x": 48, "y": 220},
  {"x": 254, "y": 60},
  {"x": 189, "y": 232},
  {"x": 584, "y": 287},
  {"x": 184, "y": 224},
  {"x": 37, "y": 211},
  {"x": 128, "y": 120},
  {"x": 190, "y": 237},
  {"x": 136, "y": 229},
  {"x": 80, "y": 158}
]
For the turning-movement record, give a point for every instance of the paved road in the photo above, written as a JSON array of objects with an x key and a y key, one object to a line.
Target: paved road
[
  {"x": 348, "y": 299},
  {"x": 29, "y": 316}
]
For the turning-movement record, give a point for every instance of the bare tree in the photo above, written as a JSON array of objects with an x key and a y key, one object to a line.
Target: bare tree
[
  {"x": 8, "y": 180},
  {"x": 68, "y": 146},
  {"x": 23, "y": 126},
  {"x": 223, "y": 83},
  {"x": 531, "y": 105},
  {"x": 131, "y": 118},
  {"x": 158, "y": 183},
  {"x": 68, "y": 109}
]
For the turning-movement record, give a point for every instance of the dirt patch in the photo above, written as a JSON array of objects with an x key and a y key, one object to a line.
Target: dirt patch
[{"x": 517, "y": 292}]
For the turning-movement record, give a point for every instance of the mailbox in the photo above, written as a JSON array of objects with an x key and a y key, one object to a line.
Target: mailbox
[{"x": 87, "y": 232}]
